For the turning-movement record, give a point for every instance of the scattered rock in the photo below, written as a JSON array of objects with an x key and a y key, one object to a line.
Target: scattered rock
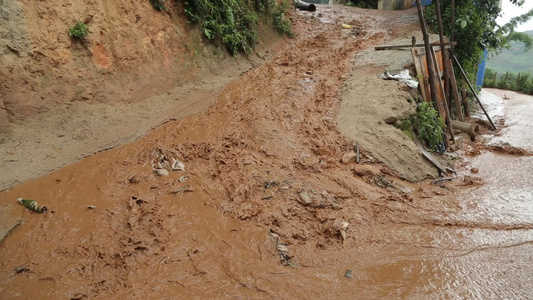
[
  {"x": 474, "y": 170},
  {"x": 341, "y": 226},
  {"x": 348, "y": 158},
  {"x": 363, "y": 170},
  {"x": 348, "y": 274},
  {"x": 305, "y": 199},
  {"x": 390, "y": 120},
  {"x": 161, "y": 172},
  {"x": 91, "y": 206},
  {"x": 182, "y": 178},
  {"x": 78, "y": 296}
]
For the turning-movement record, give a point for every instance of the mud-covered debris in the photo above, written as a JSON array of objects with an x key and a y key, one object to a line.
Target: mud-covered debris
[
  {"x": 349, "y": 158},
  {"x": 348, "y": 274},
  {"x": 472, "y": 180},
  {"x": 78, "y": 296},
  {"x": 341, "y": 226},
  {"x": 183, "y": 178},
  {"x": 91, "y": 206},
  {"x": 183, "y": 189},
  {"x": 269, "y": 184},
  {"x": 18, "y": 270},
  {"x": 161, "y": 172},
  {"x": 133, "y": 179},
  {"x": 363, "y": 170},
  {"x": 166, "y": 159},
  {"x": 32, "y": 205},
  {"x": 266, "y": 197},
  {"x": 305, "y": 199}
]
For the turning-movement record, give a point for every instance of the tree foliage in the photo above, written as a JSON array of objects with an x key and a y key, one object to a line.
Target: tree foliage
[{"x": 475, "y": 28}]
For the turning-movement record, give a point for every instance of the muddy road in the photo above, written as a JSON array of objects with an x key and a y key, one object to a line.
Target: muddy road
[{"x": 264, "y": 197}]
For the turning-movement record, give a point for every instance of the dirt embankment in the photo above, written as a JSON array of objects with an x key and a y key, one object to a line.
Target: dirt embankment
[
  {"x": 61, "y": 100},
  {"x": 131, "y": 52}
]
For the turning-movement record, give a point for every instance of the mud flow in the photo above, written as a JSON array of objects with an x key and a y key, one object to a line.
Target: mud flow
[{"x": 258, "y": 197}]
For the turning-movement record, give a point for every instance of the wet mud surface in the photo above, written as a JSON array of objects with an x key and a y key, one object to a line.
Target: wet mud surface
[{"x": 261, "y": 211}]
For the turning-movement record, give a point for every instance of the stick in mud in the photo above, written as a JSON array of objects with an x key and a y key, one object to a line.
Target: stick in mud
[{"x": 473, "y": 91}]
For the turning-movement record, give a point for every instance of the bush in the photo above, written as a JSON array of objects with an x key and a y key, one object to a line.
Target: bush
[
  {"x": 235, "y": 22},
  {"x": 429, "y": 125},
  {"x": 79, "y": 30},
  {"x": 158, "y": 5}
]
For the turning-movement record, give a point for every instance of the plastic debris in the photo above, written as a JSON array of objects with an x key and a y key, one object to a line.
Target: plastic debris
[
  {"x": 32, "y": 205},
  {"x": 183, "y": 178},
  {"x": 402, "y": 76},
  {"x": 346, "y": 26},
  {"x": 91, "y": 206}
]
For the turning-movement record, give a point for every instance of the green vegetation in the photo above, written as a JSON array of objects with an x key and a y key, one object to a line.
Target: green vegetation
[
  {"x": 79, "y": 30},
  {"x": 476, "y": 29},
  {"x": 158, "y": 5},
  {"x": 427, "y": 123},
  {"x": 234, "y": 23},
  {"x": 521, "y": 82}
]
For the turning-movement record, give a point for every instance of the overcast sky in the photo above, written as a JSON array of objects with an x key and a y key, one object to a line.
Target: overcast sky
[{"x": 509, "y": 11}]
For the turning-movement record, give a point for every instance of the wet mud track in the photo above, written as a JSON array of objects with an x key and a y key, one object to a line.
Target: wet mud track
[{"x": 264, "y": 170}]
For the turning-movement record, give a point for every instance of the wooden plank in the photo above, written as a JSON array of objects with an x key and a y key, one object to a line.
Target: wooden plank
[
  {"x": 395, "y": 47},
  {"x": 455, "y": 92},
  {"x": 444, "y": 103},
  {"x": 421, "y": 75}
]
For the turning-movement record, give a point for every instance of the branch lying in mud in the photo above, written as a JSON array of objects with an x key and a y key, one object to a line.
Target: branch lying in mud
[{"x": 443, "y": 179}]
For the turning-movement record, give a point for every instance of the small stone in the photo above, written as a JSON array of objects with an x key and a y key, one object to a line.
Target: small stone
[
  {"x": 348, "y": 158},
  {"x": 390, "y": 120},
  {"x": 161, "y": 172},
  {"x": 305, "y": 198},
  {"x": 474, "y": 170},
  {"x": 348, "y": 274},
  {"x": 363, "y": 170}
]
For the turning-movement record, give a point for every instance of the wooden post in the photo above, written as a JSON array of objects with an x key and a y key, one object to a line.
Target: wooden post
[
  {"x": 505, "y": 80},
  {"x": 455, "y": 92},
  {"x": 465, "y": 103},
  {"x": 429, "y": 60},
  {"x": 474, "y": 92},
  {"x": 494, "y": 80},
  {"x": 444, "y": 53},
  {"x": 518, "y": 82}
]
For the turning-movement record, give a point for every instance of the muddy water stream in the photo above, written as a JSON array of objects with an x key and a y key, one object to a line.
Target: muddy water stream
[{"x": 264, "y": 171}]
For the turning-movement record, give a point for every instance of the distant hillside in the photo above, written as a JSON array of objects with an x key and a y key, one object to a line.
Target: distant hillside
[{"x": 513, "y": 60}]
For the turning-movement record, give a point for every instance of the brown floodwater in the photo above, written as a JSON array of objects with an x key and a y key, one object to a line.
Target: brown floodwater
[{"x": 252, "y": 162}]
